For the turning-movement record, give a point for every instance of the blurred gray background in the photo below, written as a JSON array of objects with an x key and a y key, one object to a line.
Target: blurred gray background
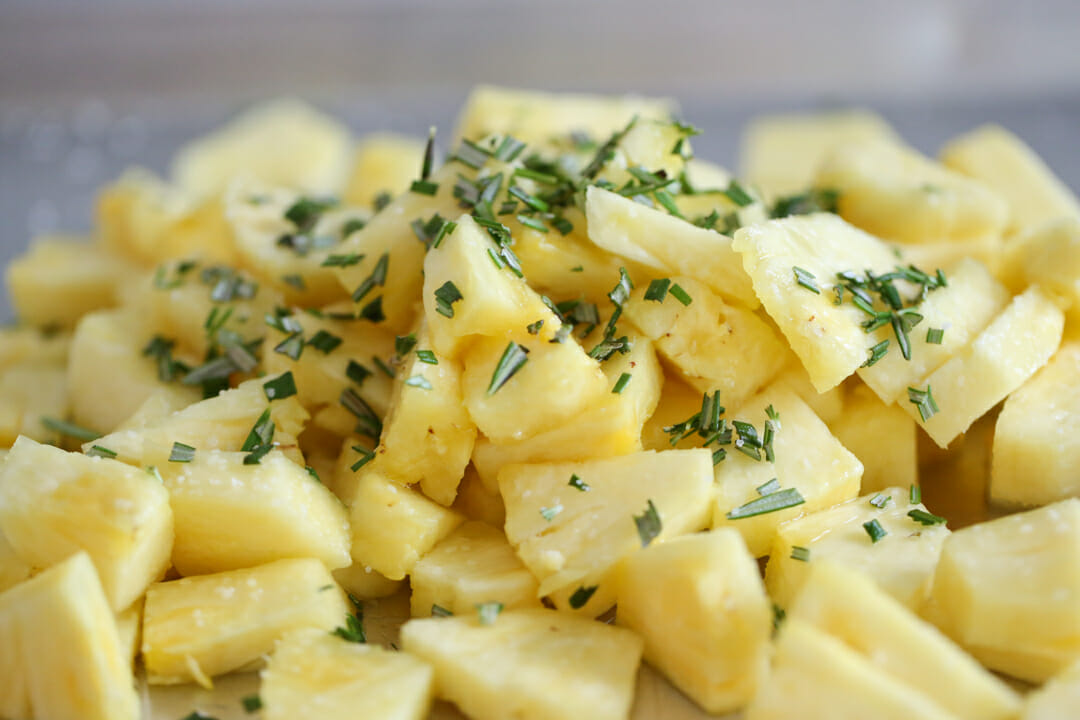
[{"x": 90, "y": 87}]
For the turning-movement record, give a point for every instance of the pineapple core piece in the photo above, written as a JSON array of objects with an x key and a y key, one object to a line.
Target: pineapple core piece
[{"x": 529, "y": 664}]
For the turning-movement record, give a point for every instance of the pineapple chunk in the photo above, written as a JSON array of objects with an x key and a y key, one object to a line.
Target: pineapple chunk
[
  {"x": 988, "y": 250},
  {"x": 955, "y": 482},
  {"x": 128, "y": 625},
  {"x": 59, "y": 280},
  {"x": 678, "y": 401},
  {"x": 427, "y": 435},
  {"x": 902, "y": 562},
  {"x": 282, "y": 142},
  {"x": 1057, "y": 699},
  {"x": 591, "y": 530},
  {"x": 1034, "y": 453},
  {"x": 996, "y": 157},
  {"x": 895, "y": 193},
  {"x": 714, "y": 346},
  {"x": 1049, "y": 255},
  {"x": 363, "y": 583},
  {"x": 384, "y": 162},
  {"x": 556, "y": 383},
  {"x": 108, "y": 377},
  {"x": 699, "y": 603},
  {"x": 817, "y": 677},
  {"x": 667, "y": 244},
  {"x": 157, "y": 407},
  {"x": 232, "y": 515},
  {"x": 537, "y": 117},
  {"x": 471, "y": 566},
  {"x": 198, "y": 627},
  {"x": 1007, "y": 590},
  {"x": 28, "y": 393},
  {"x": 849, "y": 607},
  {"x": 781, "y": 153},
  {"x": 808, "y": 459},
  {"x": 60, "y": 654},
  {"x": 394, "y": 526},
  {"x": 883, "y": 437},
  {"x": 313, "y": 674},
  {"x": 494, "y": 302},
  {"x": 1008, "y": 352},
  {"x": 828, "y": 405},
  {"x": 476, "y": 501},
  {"x": 826, "y": 337},
  {"x": 529, "y": 665},
  {"x": 13, "y": 569},
  {"x": 54, "y": 503},
  {"x": 25, "y": 344}
]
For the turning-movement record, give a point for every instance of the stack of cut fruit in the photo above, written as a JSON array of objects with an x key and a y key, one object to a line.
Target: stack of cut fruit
[{"x": 563, "y": 391}]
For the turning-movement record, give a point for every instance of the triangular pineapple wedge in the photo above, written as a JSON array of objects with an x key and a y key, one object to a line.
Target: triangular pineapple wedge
[
  {"x": 529, "y": 664},
  {"x": 13, "y": 569}
]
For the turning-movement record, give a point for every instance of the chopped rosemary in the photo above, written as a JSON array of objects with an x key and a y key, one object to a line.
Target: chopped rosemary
[
  {"x": 924, "y": 401},
  {"x": 357, "y": 372},
  {"x": 658, "y": 290},
  {"x": 281, "y": 387},
  {"x": 874, "y": 530},
  {"x": 368, "y": 423},
  {"x": 549, "y": 513},
  {"x": 342, "y": 260},
  {"x": 807, "y": 279},
  {"x": 440, "y": 611},
  {"x": 427, "y": 356},
  {"x": 934, "y": 336},
  {"x": 181, "y": 453},
  {"x": 418, "y": 381},
  {"x": 621, "y": 383},
  {"x": 376, "y": 278},
  {"x": 768, "y": 488},
  {"x": 445, "y": 297},
  {"x": 648, "y": 524},
  {"x": 324, "y": 341},
  {"x": 800, "y": 553},
  {"x": 880, "y": 501},
  {"x": 578, "y": 484},
  {"x": 488, "y": 612},
  {"x": 925, "y": 518},
  {"x": 582, "y": 595},
  {"x": 366, "y": 456},
  {"x": 773, "y": 502},
  {"x": 681, "y": 295},
  {"x": 513, "y": 359},
  {"x": 100, "y": 451}
]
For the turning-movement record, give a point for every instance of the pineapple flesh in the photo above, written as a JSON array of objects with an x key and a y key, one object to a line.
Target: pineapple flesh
[
  {"x": 1057, "y": 699},
  {"x": 384, "y": 162},
  {"x": 882, "y": 436}
]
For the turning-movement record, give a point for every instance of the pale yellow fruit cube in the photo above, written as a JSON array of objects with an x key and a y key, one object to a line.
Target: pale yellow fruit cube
[
  {"x": 698, "y": 602},
  {"x": 529, "y": 664},
  {"x": 1049, "y": 255},
  {"x": 955, "y": 483},
  {"x": 476, "y": 501},
  {"x": 383, "y": 163},
  {"x": 1057, "y": 699},
  {"x": 55, "y": 503},
  {"x": 19, "y": 344},
  {"x": 882, "y": 436},
  {"x": 13, "y": 569},
  {"x": 29, "y": 392}
]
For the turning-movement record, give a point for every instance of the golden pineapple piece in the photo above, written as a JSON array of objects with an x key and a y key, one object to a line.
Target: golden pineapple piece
[
  {"x": 571, "y": 523},
  {"x": 667, "y": 244},
  {"x": 128, "y": 628},
  {"x": 817, "y": 677},
  {"x": 22, "y": 344},
  {"x": 471, "y": 566},
  {"x": 54, "y": 503},
  {"x": 989, "y": 250},
  {"x": 476, "y": 501},
  {"x": 678, "y": 401},
  {"x": 394, "y": 526},
  {"x": 647, "y": 144},
  {"x": 698, "y": 602},
  {"x": 60, "y": 654},
  {"x": 314, "y": 674},
  {"x": 198, "y": 627},
  {"x": 364, "y": 583},
  {"x": 282, "y": 142},
  {"x": 28, "y": 393},
  {"x": 231, "y": 514},
  {"x": 851, "y": 608},
  {"x": 383, "y": 163},
  {"x": 13, "y": 569},
  {"x": 1001, "y": 160},
  {"x": 1007, "y": 590},
  {"x": 892, "y": 191},
  {"x": 955, "y": 483},
  {"x": 108, "y": 376},
  {"x": 1057, "y": 699},
  {"x": 827, "y": 337},
  {"x": 810, "y": 464},
  {"x": 529, "y": 664},
  {"x": 828, "y": 405},
  {"x": 714, "y": 346},
  {"x": 882, "y": 436},
  {"x": 155, "y": 408},
  {"x": 1049, "y": 255},
  {"x": 1010, "y": 350}
]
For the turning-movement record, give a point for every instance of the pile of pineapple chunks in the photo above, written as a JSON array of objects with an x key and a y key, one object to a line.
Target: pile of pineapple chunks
[{"x": 803, "y": 441}]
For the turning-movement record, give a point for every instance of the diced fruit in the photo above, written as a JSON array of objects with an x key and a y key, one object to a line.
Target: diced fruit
[
  {"x": 60, "y": 655},
  {"x": 363, "y": 583},
  {"x": 1057, "y": 699},
  {"x": 128, "y": 627},
  {"x": 698, "y": 602},
  {"x": 667, "y": 244},
  {"x": 28, "y": 393},
  {"x": 713, "y": 345},
  {"x": 198, "y": 627},
  {"x": 13, "y": 569},
  {"x": 529, "y": 664},
  {"x": 895, "y": 193},
  {"x": 54, "y": 503},
  {"x": 828, "y": 405},
  {"x": 572, "y": 534},
  {"x": 827, "y": 337},
  {"x": 476, "y": 501},
  {"x": 1049, "y": 255},
  {"x": 882, "y": 436},
  {"x": 1004, "y": 355},
  {"x": 954, "y": 483},
  {"x": 394, "y": 526},
  {"x": 19, "y": 344},
  {"x": 232, "y": 515},
  {"x": 808, "y": 461},
  {"x": 384, "y": 163},
  {"x": 849, "y": 607},
  {"x": 678, "y": 401},
  {"x": 989, "y": 250},
  {"x": 817, "y": 677},
  {"x": 471, "y": 566}
]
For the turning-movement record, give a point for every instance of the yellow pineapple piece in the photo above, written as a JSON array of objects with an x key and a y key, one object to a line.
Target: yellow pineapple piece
[
  {"x": 989, "y": 250},
  {"x": 851, "y": 608},
  {"x": 1007, "y": 590},
  {"x": 314, "y": 674},
  {"x": 529, "y": 664},
  {"x": 667, "y": 244},
  {"x": 154, "y": 409},
  {"x": 895, "y": 193},
  {"x": 128, "y": 628},
  {"x": 571, "y": 533},
  {"x": 817, "y": 677},
  {"x": 282, "y": 142},
  {"x": 1049, "y": 255},
  {"x": 60, "y": 654},
  {"x": 471, "y": 566},
  {"x": 198, "y": 627},
  {"x": 232, "y": 515},
  {"x": 384, "y": 162},
  {"x": 54, "y": 503},
  {"x": 1057, "y": 699},
  {"x": 1001, "y": 160},
  {"x": 28, "y": 393},
  {"x": 13, "y": 569},
  {"x": 828, "y": 405},
  {"x": 827, "y": 337},
  {"x": 955, "y": 482},
  {"x": 19, "y": 344},
  {"x": 1010, "y": 350},
  {"x": 698, "y": 602},
  {"x": 394, "y": 526},
  {"x": 882, "y": 436},
  {"x": 364, "y": 583},
  {"x": 476, "y": 501},
  {"x": 713, "y": 345},
  {"x": 808, "y": 461},
  {"x": 678, "y": 401}
]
